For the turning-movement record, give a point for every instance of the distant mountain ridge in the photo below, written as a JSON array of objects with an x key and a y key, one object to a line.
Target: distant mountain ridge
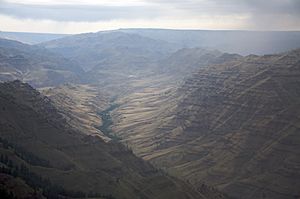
[
  {"x": 109, "y": 49},
  {"x": 231, "y": 41},
  {"x": 29, "y": 37},
  {"x": 35, "y": 65}
]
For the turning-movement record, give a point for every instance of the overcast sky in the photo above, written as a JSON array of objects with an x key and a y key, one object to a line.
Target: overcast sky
[{"x": 77, "y": 16}]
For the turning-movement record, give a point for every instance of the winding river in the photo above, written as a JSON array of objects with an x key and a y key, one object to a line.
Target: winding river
[{"x": 105, "y": 128}]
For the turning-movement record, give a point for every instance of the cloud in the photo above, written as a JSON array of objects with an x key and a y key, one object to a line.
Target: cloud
[
  {"x": 262, "y": 15},
  {"x": 279, "y": 7},
  {"x": 201, "y": 14},
  {"x": 80, "y": 13}
]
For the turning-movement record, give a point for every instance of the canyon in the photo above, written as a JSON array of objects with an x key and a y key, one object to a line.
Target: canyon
[{"x": 134, "y": 116}]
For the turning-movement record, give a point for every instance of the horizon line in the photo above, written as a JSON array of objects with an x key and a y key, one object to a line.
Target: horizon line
[{"x": 172, "y": 29}]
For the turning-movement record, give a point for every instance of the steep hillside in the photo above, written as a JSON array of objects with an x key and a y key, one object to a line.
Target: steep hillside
[
  {"x": 80, "y": 105},
  {"x": 39, "y": 146},
  {"x": 153, "y": 101},
  {"x": 13, "y": 187},
  {"x": 234, "y": 125},
  {"x": 35, "y": 65}
]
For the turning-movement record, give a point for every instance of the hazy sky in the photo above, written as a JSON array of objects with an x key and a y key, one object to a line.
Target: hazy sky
[{"x": 76, "y": 16}]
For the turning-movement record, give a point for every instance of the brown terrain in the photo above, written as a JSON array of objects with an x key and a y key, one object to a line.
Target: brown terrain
[
  {"x": 37, "y": 138},
  {"x": 80, "y": 105},
  {"x": 143, "y": 118},
  {"x": 233, "y": 125}
]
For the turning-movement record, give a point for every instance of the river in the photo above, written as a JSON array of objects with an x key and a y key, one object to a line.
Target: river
[{"x": 105, "y": 128}]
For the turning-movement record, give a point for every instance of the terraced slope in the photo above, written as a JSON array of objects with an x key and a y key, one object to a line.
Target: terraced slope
[
  {"x": 151, "y": 105},
  {"x": 234, "y": 125},
  {"x": 38, "y": 145}
]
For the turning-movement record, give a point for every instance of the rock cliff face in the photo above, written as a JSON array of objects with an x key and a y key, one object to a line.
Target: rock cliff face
[
  {"x": 39, "y": 146},
  {"x": 234, "y": 125}
]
